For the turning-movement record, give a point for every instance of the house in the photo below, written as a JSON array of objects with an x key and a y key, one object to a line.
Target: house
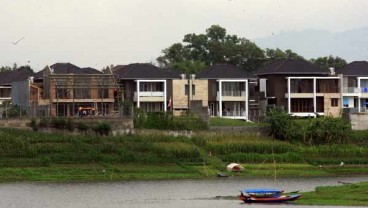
[
  {"x": 145, "y": 85},
  {"x": 300, "y": 88},
  {"x": 228, "y": 91},
  {"x": 9, "y": 78},
  {"x": 69, "y": 90},
  {"x": 355, "y": 86}
]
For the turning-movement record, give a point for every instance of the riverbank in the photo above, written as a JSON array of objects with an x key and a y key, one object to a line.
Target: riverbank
[
  {"x": 34, "y": 156},
  {"x": 343, "y": 195},
  {"x": 103, "y": 172}
]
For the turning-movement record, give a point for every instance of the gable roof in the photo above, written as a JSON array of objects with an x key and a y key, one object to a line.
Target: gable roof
[
  {"x": 291, "y": 67},
  {"x": 20, "y": 74},
  {"x": 141, "y": 71},
  {"x": 356, "y": 68},
  {"x": 68, "y": 68},
  {"x": 223, "y": 71}
]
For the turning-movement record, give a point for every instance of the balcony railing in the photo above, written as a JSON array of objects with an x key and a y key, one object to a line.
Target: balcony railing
[
  {"x": 233, "y": 113},
  {"x": 151, "y": 94},
  {"x": 355, "y": 90},
  {"x": 232, "y": 93}
]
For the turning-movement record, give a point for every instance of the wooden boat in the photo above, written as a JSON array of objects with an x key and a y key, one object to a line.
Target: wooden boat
[{"x": 266, "y": 196}]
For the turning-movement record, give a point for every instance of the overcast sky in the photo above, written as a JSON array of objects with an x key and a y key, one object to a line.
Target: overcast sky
[{"x": 97, "y": 33}]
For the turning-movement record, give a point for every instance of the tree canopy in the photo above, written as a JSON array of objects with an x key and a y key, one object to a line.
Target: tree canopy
[
  {"x": 215, "y": 46},
  {"x": 330, "y": 61}
]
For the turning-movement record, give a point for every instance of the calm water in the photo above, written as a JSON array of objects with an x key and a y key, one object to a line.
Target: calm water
[{"x": 160, "y": 194}]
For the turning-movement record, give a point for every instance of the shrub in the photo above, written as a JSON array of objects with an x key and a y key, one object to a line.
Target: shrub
[
  {"x": 70, "y": 124},
  {"x": 82, "y": 126},
  {"x": 44, "y": 122},
  {"x": 34, "y": 124},
  {"x": 58, "y": 123}
]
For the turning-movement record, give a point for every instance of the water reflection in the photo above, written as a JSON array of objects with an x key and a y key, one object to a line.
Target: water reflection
[{"x": 160, "y": 194}]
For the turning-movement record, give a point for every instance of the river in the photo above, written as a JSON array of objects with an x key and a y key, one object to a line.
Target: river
[{"x": 153, "y": 194}]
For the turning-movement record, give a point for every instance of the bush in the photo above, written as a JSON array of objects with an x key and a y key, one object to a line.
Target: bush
[
  {"x": 58, "y": 123},
  {"x": 44, "y": 122},
  {"x": 34, "y": 124},
  {"x": 70, "y": 124},
  {"x": 82, "y": 126},
  {"x": 102, "y": 128}
]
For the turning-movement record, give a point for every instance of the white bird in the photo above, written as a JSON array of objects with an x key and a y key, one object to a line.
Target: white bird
[
  {"x": 16, "y": 42},
  {"x": 341, "y": 164}
]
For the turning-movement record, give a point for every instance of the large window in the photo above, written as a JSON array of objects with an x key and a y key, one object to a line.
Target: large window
[
  {"x": 301, "y": 86},
  {"x": 328, "y": 86},
  {"x": 82, "y": 93},
  {"x": 151, "y": 87},
  {"x": 63, "y": 94},
  {"x": 301, "y": 105}
]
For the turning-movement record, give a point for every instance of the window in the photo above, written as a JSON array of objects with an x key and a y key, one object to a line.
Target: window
[
  {"x": 187, "y": 89},
  {"x": 346, "y": 102},
  {"x": 334, "y": 102}
]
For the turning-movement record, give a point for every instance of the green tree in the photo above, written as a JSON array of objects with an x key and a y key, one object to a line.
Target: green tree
[
  {"x": 330, "y": 61},
  {"x": 274, "y": 54},
  {"x": 215, "y": 46}
]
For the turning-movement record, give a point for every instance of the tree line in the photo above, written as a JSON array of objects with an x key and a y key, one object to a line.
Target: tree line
[{"x": 197, "y": 51}]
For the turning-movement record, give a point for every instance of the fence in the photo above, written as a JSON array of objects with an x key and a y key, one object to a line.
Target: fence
[{"x": 65, "y": 110}]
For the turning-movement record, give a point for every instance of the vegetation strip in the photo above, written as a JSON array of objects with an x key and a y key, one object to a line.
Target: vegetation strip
[{"x": 27, "y": 155}]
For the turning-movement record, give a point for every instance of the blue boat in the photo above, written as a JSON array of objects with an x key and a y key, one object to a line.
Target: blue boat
[{"x": 267, "y": 196}]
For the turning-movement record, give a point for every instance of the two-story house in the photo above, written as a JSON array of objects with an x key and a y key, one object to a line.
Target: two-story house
[
  {"x": 146, "y": 86},
  {"x": 73, "y": 91},
  {"x": 355, "y": 86},
  {"x": 228, "y": 92},
  {"x": 300, "y": 88},
  {"x": 9, "y": 78}
]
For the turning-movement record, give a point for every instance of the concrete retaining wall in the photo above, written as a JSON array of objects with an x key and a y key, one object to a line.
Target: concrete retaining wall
[{"x": 359, "y": 121}]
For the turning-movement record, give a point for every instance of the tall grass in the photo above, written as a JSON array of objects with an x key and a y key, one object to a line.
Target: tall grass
[{"x": 28, "y": 148}]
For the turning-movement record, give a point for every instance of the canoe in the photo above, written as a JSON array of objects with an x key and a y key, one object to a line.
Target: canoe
[{"x": 266, "y": 196}]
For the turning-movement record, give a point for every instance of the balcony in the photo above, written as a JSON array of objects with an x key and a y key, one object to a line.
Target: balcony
[
  {"x": 355, "y": 90},
  {"x": 231, "y": 96},
  {"x": 233, "y": 114},
  {"x": 150, "y": 96}
]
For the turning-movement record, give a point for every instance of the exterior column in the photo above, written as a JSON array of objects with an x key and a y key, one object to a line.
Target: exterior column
[
  {"x": 314, "y": 96},
  {"x": 359, "y": 94},
  {"x": 165, "y": 96},
  {"x": 138, "y": 83},
  {"x": 220, "y": 98},
  {"x": 246, "y": 100},
  {"x": 289, "y": 98}
]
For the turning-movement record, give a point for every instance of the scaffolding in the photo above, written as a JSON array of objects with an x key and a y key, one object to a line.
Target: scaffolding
[{"x": 82, "y": 90}]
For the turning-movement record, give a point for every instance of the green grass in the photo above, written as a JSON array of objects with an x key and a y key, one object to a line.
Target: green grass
[
  {"x": 215, "y": 121},
  {"x": 27, "y": 155},
  {"x": 344, "y": 195}
]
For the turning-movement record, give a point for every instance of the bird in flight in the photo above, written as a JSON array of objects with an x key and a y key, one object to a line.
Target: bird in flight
[{"x": 16, "y": 42}]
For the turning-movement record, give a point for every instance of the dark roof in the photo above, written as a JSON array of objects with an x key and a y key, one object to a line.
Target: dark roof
[
  {"x": 356, "y": 68},
  {"x": 90, "y": 70},
  {"x": 142, "y": 71},
  {"x": 68, "y": 68},
  {"x": 226, "y": 71},
  {"x": 291, "y": 67},
  {"x": 20, "y": 74}
]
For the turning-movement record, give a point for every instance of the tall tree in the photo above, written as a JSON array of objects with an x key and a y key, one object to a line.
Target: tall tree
[
  {"x": 215, "y": 46},
  {"x": 274, "y": 54},
  {"x": 330, "y": 61}
]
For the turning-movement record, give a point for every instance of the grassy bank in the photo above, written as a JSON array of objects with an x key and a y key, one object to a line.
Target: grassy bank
[
  {"x": 26, "y": 155},
  {"x": 344, "y": 195}
]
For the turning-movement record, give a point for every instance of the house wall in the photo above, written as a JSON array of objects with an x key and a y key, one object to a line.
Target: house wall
[
  {"x": 180, "y": 100},
  {"x": 277, "y": 87},
  {"x": 328, "y": 109}
]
